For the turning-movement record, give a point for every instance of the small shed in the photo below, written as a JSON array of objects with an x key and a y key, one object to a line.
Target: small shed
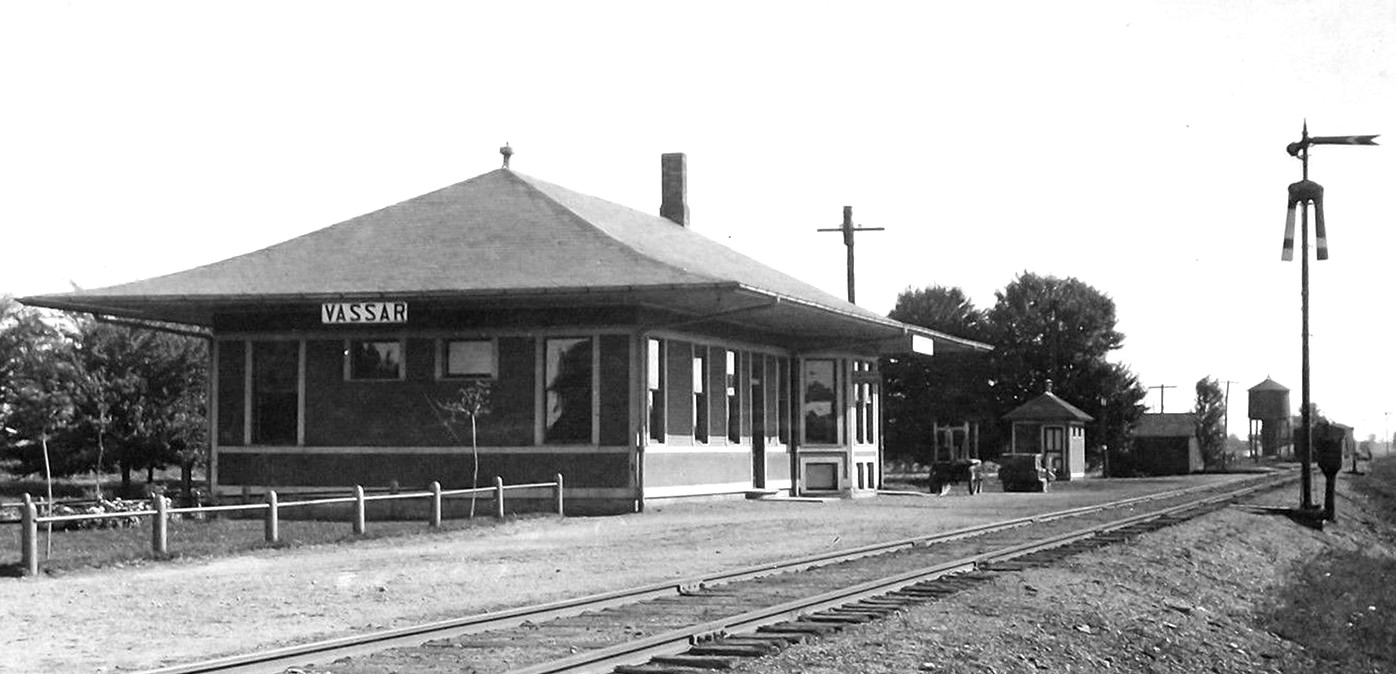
[
  {"x": 1166, "y": 444},
  {"x": 1056, "y": 429}
]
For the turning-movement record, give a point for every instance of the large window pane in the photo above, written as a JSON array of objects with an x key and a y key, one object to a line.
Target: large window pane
[
  {"x": 469, "y": 359},
  {"x": 369, "y": 360},
  {"x": 700, "y": 393},
  {"x": 275, "y": 401},
  {"x": 655, "y": 377},
  {"x": 821, "y": 402},
  {"x": 567, "y": 376}
]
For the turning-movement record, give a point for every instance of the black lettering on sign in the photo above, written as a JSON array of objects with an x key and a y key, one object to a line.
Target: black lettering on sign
[{"x": 363, "y": 312}]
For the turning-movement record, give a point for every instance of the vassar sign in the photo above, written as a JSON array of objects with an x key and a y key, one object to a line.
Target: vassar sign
[{"x": 363, "y": 312}]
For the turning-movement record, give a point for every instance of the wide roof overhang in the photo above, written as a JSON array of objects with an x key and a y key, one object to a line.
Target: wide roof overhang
[{"x": 812, "y": 325}]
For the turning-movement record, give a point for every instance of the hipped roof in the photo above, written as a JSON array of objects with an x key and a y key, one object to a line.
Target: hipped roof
[
  {"x": 1165, "y": 425},
  {"x": 1048, "y": 407},
  {"x": 505, "y": 236}
]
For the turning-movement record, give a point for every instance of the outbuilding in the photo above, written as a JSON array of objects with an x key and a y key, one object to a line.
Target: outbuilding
[
  {"x": 1166, "y": 444},
  {"x": 1054, "y": 428},
  {"x": 626, "y": 351}
]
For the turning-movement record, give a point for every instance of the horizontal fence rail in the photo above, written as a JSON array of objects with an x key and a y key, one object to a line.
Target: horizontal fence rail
[{"x": 160, "y": 512}]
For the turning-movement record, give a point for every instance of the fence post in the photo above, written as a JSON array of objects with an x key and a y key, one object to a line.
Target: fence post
[
  {"x": 159, "y": 533},
  {"x": 498, "y": 497},
  {"x": 29, "y": 535},
  {"x": 359, "y": 509},
  {"x": 435, "y": 504},
  {"x": 273, "y": 526},
  {"x": 558, "y": 478}
]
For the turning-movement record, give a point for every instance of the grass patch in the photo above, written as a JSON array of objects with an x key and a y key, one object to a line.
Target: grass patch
[
  {"x": 205, "y": 538},
  {"x": 1339, "y": 605},
  {"x": 1338, "y": 609}
]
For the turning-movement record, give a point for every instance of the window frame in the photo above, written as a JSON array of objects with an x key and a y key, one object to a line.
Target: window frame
[
  {"x": 836, "y": 410},
  {"x": 349, "y": 344},
  {"x": 701, "y": 427},
  {"x": 443, "y": 359},
  {"x": 656, "y": 397},
  {"x": 593, "y": 391}
]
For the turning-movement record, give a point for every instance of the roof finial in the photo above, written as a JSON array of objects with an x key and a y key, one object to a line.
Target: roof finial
[
  {"x": 1049, "y": 385},
  {"x": 507, "y": 152}
]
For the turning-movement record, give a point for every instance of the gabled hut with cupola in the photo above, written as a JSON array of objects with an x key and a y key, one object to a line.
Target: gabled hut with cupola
[{"x": 624, "y": 350}]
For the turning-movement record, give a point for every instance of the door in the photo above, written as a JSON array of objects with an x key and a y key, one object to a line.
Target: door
[
  {"x": 1054, "y": 448},
  {"x": 758, "y": 432}
]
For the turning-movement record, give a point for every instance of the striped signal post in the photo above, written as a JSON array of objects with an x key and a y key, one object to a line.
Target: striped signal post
[{"x": 1301, "y": 194}]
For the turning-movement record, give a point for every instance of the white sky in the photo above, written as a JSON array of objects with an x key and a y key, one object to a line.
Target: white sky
[{"x": 1138, "y": 146}]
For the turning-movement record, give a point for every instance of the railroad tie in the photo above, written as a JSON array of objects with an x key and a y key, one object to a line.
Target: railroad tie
[
  {"x": 800, "y": 627},
  {"x": 726, "y": 648},
  {"x": 695, "y": 661},
  {"x": 652, "y": 668}
]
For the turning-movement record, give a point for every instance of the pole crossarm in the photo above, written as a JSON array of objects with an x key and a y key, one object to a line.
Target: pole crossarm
[{"x": 848, "y": 230}]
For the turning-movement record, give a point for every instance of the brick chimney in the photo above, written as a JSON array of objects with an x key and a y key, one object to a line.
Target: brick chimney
[{"x": 673, "y": 172}]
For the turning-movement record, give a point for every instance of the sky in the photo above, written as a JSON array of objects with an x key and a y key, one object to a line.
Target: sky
[{"x": 1136, "y": 146}]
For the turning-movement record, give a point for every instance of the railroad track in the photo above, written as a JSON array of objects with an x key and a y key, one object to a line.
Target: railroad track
[{"x": 708, "y": 622}]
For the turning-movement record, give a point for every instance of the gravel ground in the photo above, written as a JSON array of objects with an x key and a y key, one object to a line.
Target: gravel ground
[
  {"x": 1199, "y": 597},
  {"x": 147, "y": 615}
]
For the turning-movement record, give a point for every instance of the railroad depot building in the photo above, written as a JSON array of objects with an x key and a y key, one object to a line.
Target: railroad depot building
[{"x": 624, "y": 350}]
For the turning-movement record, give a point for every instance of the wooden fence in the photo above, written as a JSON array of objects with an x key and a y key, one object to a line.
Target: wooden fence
[{"x": 160, "y": 513}]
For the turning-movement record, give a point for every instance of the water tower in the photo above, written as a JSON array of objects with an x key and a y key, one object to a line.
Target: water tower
[{"x": 1268, "y": 409}]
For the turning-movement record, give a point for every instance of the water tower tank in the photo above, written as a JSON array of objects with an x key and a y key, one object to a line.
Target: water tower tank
[{"x": 1268, "y": 400}]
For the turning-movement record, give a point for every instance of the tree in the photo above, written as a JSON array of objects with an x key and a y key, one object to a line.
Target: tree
[
  {"x": 919, "y": 390},
  {"x": 145, "y": 394},
  {"x": 472, "y": 400},
  {"x": 1210, "y": 411},
  {"x": 39, "y": 386},
  {"x": 1043, "y": 327}
]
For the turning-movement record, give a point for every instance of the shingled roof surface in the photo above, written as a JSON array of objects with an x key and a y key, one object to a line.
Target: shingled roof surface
[
  {"x": 1047, "y": 407},
  {"x": 501, "y": 231},
  {"x": 1165, "y": 425},
  {"x": 500, "y": 235}
]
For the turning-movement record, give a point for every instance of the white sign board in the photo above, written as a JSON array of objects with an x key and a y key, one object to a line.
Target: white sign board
[
  {"x": 363, "y": 312},
  {"x": 923, "y": 345}
]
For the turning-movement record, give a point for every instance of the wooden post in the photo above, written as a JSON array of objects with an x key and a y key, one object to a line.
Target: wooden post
[
  {"x": 359, "y": 507},
  {"x": 558, "y": 478},
  {"x": 273, "y": 525},
  {"x": 29, "y": 537},
  {"x": 435, "y": 505},
  {"x": 159, "y": 526},
  {"x": 498, "y": 497}
]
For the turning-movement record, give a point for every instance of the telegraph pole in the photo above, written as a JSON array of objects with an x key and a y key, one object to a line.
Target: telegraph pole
[
  {"x": 1226, "y": 422},
  {"x": 848, "y": 229},
  {"x": 1160, "y": 388},
  {"x": 1301, "y": 194}
]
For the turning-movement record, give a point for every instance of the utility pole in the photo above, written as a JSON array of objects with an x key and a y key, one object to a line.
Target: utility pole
[
  {"x": 1301, "y": 194},
  {"x": 848, "y": 229},
  {"x": 1160, "y": 388},
  {"x": 1226, "y": 420}
]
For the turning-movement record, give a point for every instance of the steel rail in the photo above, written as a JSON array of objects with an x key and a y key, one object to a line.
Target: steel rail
[
  {"x": 677, "y": 641},
  {"x": 276, "y": 660}
]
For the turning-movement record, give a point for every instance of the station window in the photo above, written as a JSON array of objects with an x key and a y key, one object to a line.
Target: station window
[
  {"x": 700, "y": 393},
  {"x": 783, "y": 400},
  {"x": 821, "y": 406},
  {"x": 568, "y": 390},
  {"x": 370, "y": 360},
  {"x": 655, "y": 377},
  {"x": 468, "y": 359},
  {"x": 275, "y": 392},
  {"x": 865, "y": 417},
  {"x": 734, "y": 402}
]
